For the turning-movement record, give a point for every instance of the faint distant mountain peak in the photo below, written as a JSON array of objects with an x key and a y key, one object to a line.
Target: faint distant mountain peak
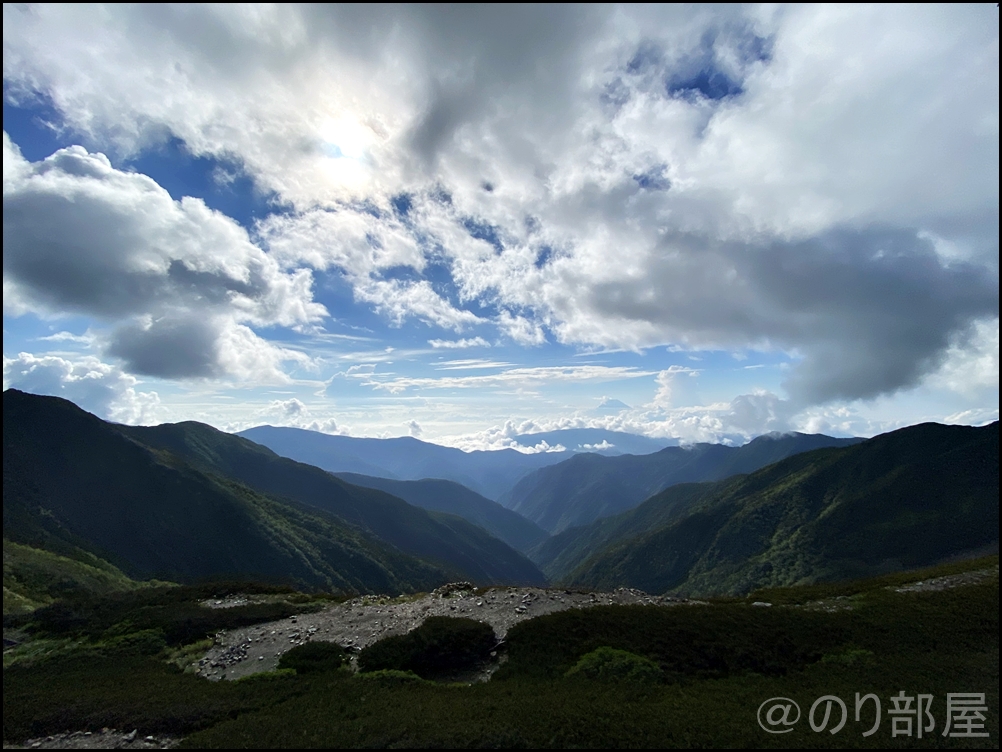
[{"x": 611, "y": 405}]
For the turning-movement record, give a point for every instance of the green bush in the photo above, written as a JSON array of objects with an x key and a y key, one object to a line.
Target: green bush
[
  {"x": 440, "y": 646},
  {"x": 392, "y": 677},
  {"x": 849, "y": 657},
  {"x": 176, "y": 611},
  {"x": 607, "y": 664},
  {"x": 143, "y": 642},
  {"x": 314, "y": 658}
]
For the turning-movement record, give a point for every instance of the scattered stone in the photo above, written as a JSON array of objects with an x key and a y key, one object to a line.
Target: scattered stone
[
  {"x": 949, "y": 581},
  {"x": 106, "y": 738},
  {"x": 362, "y": 621}
]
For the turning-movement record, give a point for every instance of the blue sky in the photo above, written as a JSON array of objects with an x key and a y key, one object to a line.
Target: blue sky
[{"x": 473, "y": 222}]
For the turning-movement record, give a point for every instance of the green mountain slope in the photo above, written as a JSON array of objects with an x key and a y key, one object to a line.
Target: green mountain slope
[
  {"x": 902, "y": 499},
  {"x": 72, "y": 481},
  {"x": 563, "y": 553},
  {"x": 452, "y": 543},
  {"x": 588, "y": 487},
  {"x": 450, "y": 497},
  {"x": 33, "y": 577}
]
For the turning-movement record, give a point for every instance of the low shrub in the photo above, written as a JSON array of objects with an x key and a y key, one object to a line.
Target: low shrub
[
  {"x": 390, "y": 676},
  {"x": 609, "y": 664},
  {"x": 314, "y": 658},
  {"x": 849, "y": 657},
  {"x": 440, "y": 646}
]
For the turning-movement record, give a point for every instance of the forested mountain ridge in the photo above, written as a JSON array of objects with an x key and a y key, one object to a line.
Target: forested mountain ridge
[
  {"x": 171, "y": 510},
  {"x": 588, "y": 487},
  {"x": 903, "y": 499}
]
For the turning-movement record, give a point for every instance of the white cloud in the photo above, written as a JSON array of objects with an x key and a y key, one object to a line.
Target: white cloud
[
  {"x": 971, "y": 365},
  {"x": 469, "y": 364},
  {"x": 179, "y": 284},
  {"x": 456, "y": 344},
  {"x": 501, "y": 437},
  {"x": 97, "y": 387},
  {"x": 835, "y": 196},
  {"x": 668, "y": 387},
  {"x": 294, "y": 413},
  {"x": 521, "y": 377},
  {"x": 80, "y": 339}
]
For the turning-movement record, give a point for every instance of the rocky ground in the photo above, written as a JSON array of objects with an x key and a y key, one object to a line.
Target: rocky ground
[
  {"x": 949, "y": 581},
  {"x": 103, "y": 739},
  {"x": 362, "y": 621}
]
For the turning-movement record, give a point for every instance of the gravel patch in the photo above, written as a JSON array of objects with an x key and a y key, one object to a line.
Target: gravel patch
[
  {"x": 104, "y": 739},
  {"x": 362, "y": 621},
  {"x": 949, "y": 581}
]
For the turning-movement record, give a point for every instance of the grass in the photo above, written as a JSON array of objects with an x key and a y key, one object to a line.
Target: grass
[
  {"x": 718, "y": 663},
  {"x": 33, "y": 577}
]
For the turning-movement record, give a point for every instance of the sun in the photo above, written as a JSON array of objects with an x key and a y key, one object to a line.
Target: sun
[
  {"x": 346, "y": 138},
  {"x": 346, "y": 145}
]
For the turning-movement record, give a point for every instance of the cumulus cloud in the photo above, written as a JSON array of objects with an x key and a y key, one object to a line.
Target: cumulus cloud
[
  {"x": 819, "y": 180},
  {"x": 502, "y": 437},
  {"x": 97, "y": 387},
  {"x": 294, "y": 413},
  {"x": 668, "y": 384},
  {"x": 179, "y": 284},
  {"x": 971, "y": 364}
]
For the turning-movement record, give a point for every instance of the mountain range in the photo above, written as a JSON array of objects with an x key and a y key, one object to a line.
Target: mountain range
[
  {"x": 185, "y": 501},
  {"x": 587, "y": 487},
  {"x": 490, "y": 473},
  {"x": 900, "y": 500},
  {"x": 448, "y": 496}
]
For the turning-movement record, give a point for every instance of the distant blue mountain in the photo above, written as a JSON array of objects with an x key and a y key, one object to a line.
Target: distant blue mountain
[{"x": 488, "y": 473}]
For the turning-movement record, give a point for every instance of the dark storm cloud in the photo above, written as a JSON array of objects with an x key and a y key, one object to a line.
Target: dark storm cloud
[
  {"x": 870, "y": 311},
  {"x": 182, "y": 346}
]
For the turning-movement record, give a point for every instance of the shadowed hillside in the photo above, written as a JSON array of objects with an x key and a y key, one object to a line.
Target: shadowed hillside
[
  {"x": 588, "y": 487},
  {"x": 450, "y": 497},
  {"x": 74, "y": 482},
  {"x": 451, "y": 542},
  {"x": 903, "y": 499}
]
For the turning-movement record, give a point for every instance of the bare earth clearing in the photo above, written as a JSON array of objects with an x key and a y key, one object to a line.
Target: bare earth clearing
[{"x": 362, "y": 621}]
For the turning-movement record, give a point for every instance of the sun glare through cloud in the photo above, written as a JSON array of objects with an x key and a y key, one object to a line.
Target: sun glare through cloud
[{"x": 715, "y": 221}]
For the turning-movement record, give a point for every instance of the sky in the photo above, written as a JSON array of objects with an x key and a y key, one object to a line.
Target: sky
[{"x": 466, "y": 223}]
